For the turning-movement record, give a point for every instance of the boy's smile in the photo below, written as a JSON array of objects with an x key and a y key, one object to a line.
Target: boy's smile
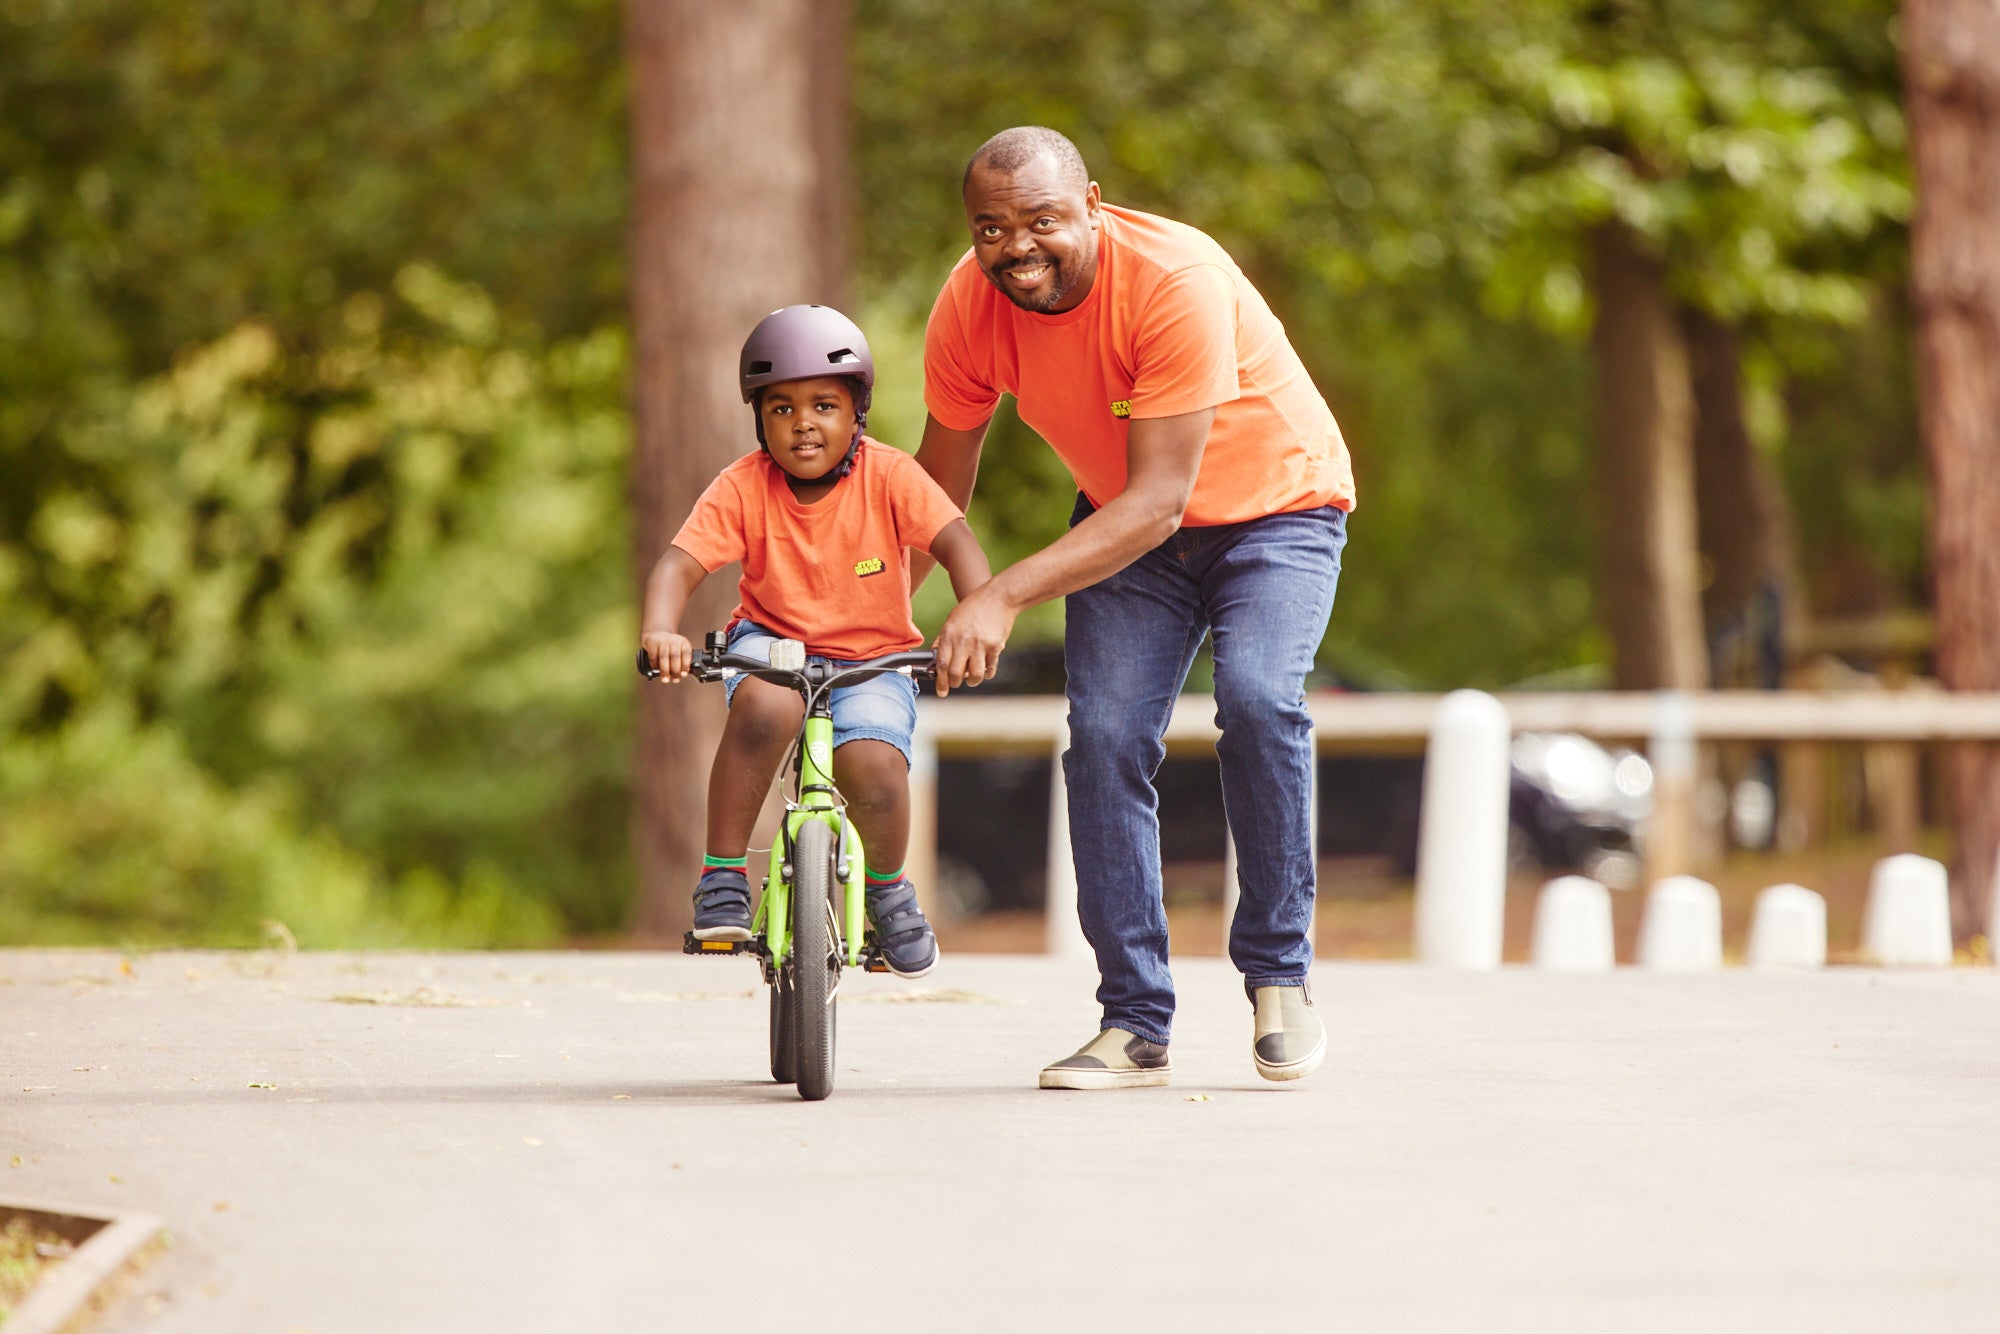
[{"x": 808, "y": 425}]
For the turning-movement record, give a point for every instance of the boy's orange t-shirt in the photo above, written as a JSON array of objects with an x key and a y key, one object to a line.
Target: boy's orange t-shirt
[
  {"x": 835, "y": 575},
  {"x": 1171, "y": 326}
]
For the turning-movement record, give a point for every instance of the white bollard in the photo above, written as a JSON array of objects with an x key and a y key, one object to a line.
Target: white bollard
[
  {"x": 1462, "y": 837},
  {"x": 1573, "y": 926},
  {"x": 1908, "y": 921},
  {"x": 1063, "y": 932},
  {"x": 1682, "y": 929},
  {"x": 1788, "y": 929}
]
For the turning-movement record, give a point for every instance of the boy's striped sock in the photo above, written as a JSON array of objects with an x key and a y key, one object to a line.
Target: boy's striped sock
[
  {"x": 882, "y": 879},
  {"x": 710, "y": 863}
]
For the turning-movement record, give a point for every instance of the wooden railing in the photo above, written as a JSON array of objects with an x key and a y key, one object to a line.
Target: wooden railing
[{"x": 1662, "y": 723}]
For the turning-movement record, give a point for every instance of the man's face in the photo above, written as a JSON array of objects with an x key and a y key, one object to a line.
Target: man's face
[
  {"x": 808, "y": 424},
  {"x": 1033, "y": 237}
]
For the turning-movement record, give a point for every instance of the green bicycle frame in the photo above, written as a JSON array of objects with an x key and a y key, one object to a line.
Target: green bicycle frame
[{"x": 813, "y": 800}]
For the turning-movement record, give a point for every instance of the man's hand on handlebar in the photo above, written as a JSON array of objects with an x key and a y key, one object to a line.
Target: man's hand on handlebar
[
  {"x": 671, "y": 654},
  {"x": 968, "y": 647}
]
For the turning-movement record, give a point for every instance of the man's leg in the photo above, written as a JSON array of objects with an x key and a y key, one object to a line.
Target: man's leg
[
  {"x": 1268, "y": 594},
  {"x": 1127, "y": 647}
]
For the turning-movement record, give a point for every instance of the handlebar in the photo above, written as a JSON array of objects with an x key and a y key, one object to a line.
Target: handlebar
[{"x": 713, "y": 666}]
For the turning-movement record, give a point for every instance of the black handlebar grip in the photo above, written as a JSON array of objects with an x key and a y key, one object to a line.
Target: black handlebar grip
[{"x": 645, "y": 665}]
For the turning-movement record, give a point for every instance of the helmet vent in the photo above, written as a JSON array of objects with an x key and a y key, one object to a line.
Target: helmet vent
[
  {"x": 760, "y": 368},
  {"x": 842, "y": 357}
]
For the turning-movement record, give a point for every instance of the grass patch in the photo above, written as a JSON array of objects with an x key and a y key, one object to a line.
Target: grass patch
[{"x": 26, "y": 1252}]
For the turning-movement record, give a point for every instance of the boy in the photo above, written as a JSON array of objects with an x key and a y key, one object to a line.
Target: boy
[{"x": 820, "y": 517}]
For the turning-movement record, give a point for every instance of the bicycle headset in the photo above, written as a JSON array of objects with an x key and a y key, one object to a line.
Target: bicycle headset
[{"x": 800, "y": 343}]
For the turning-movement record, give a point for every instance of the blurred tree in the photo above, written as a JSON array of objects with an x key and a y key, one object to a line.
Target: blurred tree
[
  {"x": 1951, "y": 58},
  {"x": 739, "y": 206}
]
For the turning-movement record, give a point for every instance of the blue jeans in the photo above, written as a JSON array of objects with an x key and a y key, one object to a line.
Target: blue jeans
[
  {"x": 882, "y": 708},
  {"x": 1264, "y": 589}
]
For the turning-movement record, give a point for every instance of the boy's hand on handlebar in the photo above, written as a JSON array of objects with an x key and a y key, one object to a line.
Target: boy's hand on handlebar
[
  {"x": 672, "y": 654},
  {"x": 968, "y": 647}
]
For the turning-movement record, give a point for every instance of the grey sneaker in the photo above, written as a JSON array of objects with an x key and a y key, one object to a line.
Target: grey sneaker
[
  {"x": 1114, "y": 1059},
  {"x": 1290, "y": 1041}
]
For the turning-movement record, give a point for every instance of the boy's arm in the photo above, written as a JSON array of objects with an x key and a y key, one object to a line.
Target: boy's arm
[
  {"x": 673, "y": 579},
  {"x": 952, "y": 459},
  {"x": 963, "y": 559}
]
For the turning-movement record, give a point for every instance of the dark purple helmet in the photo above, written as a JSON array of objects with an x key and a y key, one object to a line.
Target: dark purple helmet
[{"x": 801, "y": 343}]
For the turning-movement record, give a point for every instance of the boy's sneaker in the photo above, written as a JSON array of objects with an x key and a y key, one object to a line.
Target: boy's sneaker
[
  {"x": 722, "y": 905},
  {"x": 1114, "y": 1059},
  {"x": 906, "y": 940},
  {"x": 1289, "y": 1041}
]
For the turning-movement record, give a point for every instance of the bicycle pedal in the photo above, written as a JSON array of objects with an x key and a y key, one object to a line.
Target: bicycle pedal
[
  {"x": 689, "y": 945},
  {"x": 874, "y": 963}
]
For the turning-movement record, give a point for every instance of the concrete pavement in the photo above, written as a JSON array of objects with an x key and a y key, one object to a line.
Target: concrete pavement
[{"x": 501, "y": 1142}]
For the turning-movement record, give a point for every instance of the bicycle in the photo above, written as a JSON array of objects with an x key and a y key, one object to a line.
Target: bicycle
[{"x": 811, "y": 919}]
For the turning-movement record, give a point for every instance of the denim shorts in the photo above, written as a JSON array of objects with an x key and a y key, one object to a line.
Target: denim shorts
[{"x": 882, "y": 708}]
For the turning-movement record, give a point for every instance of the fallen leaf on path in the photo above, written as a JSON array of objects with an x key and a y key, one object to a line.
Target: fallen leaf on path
[
  {"x": 222, "y": 1206},
  {"x": 114, "y": 1178},
  {"x": 256, "y": 1085},
  {"x": 15, "y": 1161},
  {"x": 125, "y": 967},
  {"x": 531, "y": 1142},
  {"x": 1199, "y": 1097},
  {"x": 616, "y": 1097}
]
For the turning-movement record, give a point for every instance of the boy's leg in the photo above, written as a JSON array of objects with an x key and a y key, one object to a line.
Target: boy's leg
[
  {"x": 875, "y": 779},
  {"x": 763, "y": 719},
  {"x": 872, "y": 728}
]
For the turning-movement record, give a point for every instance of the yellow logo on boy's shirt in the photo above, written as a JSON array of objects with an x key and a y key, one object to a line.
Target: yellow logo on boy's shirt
[
  {"x": 1122, "y": 408},
  {"x": 873, "y": 565}
]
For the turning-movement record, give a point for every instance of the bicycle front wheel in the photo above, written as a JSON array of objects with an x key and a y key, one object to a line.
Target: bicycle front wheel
[
  {"x": 814, "y": 963},
  {"x": 784, "y": 1029}
]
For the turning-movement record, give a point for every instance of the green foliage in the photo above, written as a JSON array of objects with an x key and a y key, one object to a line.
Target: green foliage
[
  {"x": 314, "y": 602},
  {"x": 377, "y": 589}
]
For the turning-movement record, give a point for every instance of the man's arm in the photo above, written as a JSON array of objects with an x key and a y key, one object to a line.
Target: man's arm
[
  {"x": 952, "y": 459},
  {"x": 1162, "y": 458}
]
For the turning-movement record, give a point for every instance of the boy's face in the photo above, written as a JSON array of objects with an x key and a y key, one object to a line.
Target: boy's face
[{"x": 808, "y": 424}]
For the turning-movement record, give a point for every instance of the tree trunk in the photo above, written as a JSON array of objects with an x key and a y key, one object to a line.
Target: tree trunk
[
  {"x": 1742, "y": 518},
  {"x": 1951, "y": 79},
  {"x": 739, "y": 177},
  {"x": 1650, "y": 594}
]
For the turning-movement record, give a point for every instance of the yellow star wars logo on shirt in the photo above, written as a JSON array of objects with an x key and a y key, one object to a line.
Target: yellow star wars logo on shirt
[
  {"x": 873, "y": 565},
  {"x": 1122, "y": 408}
]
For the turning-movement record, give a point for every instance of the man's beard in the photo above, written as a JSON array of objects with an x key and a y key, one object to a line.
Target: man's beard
[{"x": 1042, "y": 298}]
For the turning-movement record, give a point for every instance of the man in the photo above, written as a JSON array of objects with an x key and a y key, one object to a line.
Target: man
[{"x": 1214, "y": 490}]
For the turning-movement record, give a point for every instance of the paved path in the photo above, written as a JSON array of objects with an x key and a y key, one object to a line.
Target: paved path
[{"x": 586, "y": 1143}]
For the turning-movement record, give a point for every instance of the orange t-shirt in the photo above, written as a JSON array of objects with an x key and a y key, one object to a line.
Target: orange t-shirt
[
  {"x": 1171, "y": 325},
  {"x": 835, "y": 574}
]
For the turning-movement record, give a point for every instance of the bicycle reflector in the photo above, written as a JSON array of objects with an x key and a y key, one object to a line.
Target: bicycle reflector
[{"x": 788, "y": 655}]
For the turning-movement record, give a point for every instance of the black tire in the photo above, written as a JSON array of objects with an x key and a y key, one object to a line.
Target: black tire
[
  {"x": 815, "y": 970},
  {"x": 784, "y": 1030}
]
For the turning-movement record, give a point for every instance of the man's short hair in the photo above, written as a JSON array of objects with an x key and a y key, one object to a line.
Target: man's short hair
[{"x": 1010, "y": 150}]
